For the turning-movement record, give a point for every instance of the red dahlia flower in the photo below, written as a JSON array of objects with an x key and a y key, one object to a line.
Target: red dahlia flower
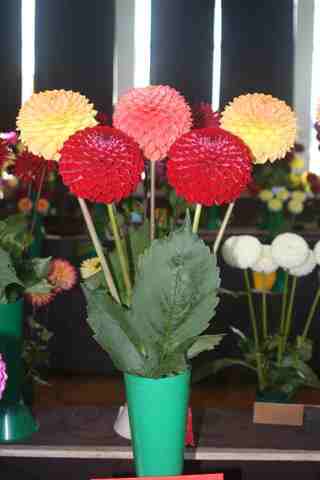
[
  {"x": 204, "y": 116},
  {"x": 29, "y": 167},
  {"x": 209, "y": 166},
  {"x": 101, "y": 164}
]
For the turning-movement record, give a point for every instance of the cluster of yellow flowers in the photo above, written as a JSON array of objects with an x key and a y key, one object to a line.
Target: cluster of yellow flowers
[{"x": 276, "y": 199}]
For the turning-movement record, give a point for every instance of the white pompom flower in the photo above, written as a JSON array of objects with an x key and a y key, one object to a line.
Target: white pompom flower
[
  {"x": 246, "y": 250},
  {"x": 265, "y": 263},
  {"x": 306, "y": 268},
  {"x": 227, "y": 251},
  {"x": 289, "y": 250},
  {"x": 316, "y": 252}
]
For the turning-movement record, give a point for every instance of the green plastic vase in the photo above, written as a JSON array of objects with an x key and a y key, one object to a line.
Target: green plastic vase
[
  {"x": 158, "y": 415},
  {"x": 16, "y": 421}
]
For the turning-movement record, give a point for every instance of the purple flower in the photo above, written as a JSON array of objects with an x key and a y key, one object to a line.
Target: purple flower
[{"x": 3, "y": 376}]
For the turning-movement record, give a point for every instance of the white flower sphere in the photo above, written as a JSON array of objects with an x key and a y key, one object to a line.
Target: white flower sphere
[
  {"x": 227, "y": 251},
  {"x": 265, "y": 263},
  {"x": 306, "y": 268},
  {"x": 246, "y": 250},
  {"x": 316, "y": 252},
  {"x": 289, "y": 250}
]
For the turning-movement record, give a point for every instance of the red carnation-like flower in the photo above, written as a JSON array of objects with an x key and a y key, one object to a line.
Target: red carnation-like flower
[
  {"x": 204, "y": 116},
  {"x": 101, "y": 164},
  {"x": 4, "y": 152},
  {"x": 29, "y": 167},
  {"x": 209, "y": 166}
]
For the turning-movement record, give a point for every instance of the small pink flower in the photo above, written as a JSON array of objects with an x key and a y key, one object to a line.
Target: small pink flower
[
  {"x": 62, "y": 275},
  {"x": 3, "y": 376}
]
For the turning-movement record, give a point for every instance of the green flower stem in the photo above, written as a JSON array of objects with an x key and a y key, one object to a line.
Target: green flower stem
[
  {"x": 311, "y": 314},
  {"x": 40, "y": 188},
  {"x": 264, "y": 315},
  {"x": 97, "y": 245},
  {"x": 196, "y": 218},
  {"x": 255, "y": 331},
  {"x": 283, "y": 316},
  {"x": 289, "y": 314},
  {"x": 120, "y": 251}
]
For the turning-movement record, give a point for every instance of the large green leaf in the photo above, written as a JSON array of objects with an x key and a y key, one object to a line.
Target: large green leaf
[
  {"x": 203, "y": 343},
  {"x": 109, "y": 322},
  {"x": 7, "y": 273},
  {"x": 175, "y": 295},
  {"x": 14, "y": 235}
]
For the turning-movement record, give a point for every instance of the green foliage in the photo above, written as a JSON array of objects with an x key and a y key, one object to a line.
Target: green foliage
[
  {"x": 19, "y": 274},
  {"x": 287, "y": 377},
  {"x": 174, "y": 299}
]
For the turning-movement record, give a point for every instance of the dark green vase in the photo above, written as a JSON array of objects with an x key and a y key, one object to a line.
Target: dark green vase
[
  {"x": 158, "y": 415},
  {"x": 273, "y": 396},
  {"x": 16, "y": 421},
  {"x": 35, "y": 249}
]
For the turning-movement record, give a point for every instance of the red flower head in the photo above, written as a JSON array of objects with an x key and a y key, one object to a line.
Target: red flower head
[
  {"x": 155, "y": 116},
  {"x": 29, "y": 167},
  {"x": 102, "y": 118},
  {"x": 39, "y": 300},
  {"x": 4, "y": 152},
  {"x": 204, "y": 116},
  {"x": 101, "y": 164},
  {"x": 209, "y": 166}
]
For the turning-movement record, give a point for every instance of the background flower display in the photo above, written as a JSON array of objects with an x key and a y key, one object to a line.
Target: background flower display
[{"x": 279, "y": 357}]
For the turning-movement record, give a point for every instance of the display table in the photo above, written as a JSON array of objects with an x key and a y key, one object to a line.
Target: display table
[{"x": 221, "y": 435}]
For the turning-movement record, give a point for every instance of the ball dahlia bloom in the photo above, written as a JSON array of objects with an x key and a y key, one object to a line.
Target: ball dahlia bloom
[
  {"x": 90, "y": 267},
  {"x": 246, "y": 250},
  {"x": 42, "y": 206},
  {"x": 29, "y": 167},
  {"x": 227, "y": 251},
  {"x": 265, "y": 263},
  {"x": 101, "y": 164},
  {"x": 289, "y": 250},
  {"x": 155, "y": 116},
  {"x": 62, "y": 275},
  {"x": 266, "y": 124},
  {"x": 298, "y": 196},
  {"x": 204, "y": 116},
  {"x": 275, "y": 205},
  {"x": 283, "y": 194},
  {"x": 295, "y": 206},
  {"x": 49, "y": 118},
  {"x": 265, "y": 195},
  {"x": 209, "y": 166},
  {"x": 306, "y": 268},
  {"x": 24, "y": 205},
  {"x": 3, "y": 376}
]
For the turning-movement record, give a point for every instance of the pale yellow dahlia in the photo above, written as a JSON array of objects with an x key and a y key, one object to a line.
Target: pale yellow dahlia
[
  {"x": 90, "y": 267},
  {"x": 283, "y": 194},
  {"x": 275, "y": 205},
  {"x": 297, "y": 163},
  {"x": 266, "y": 124},
  {"x": 298, "y": 195},
  {"x": 265, "y": 195},
  {"x": 295, "y": 207},
  {"x": 49, "y": 118}
]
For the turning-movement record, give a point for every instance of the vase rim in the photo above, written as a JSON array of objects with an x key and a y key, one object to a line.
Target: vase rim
[{"x": 185, "y": 373}]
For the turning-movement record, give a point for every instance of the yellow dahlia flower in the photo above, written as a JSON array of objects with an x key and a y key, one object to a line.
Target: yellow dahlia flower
[
  {"x": 265, "y": 195},
  {"x": 283, "y": 194},
  {"x": 298, "y": 196},
  {"x": 297, "y": 163},
  {"x": 90, "y": 267},
  {"x": 275, "y": 205},
  {"x": 295, "y": 179},
  {"x": 49, "y": 118},
  {"x": 295, "y": 206},
  {"x": 267, "y": 125}
]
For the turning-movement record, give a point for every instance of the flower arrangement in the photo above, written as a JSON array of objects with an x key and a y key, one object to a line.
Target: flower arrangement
[{"x": 279, "y": 359}]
